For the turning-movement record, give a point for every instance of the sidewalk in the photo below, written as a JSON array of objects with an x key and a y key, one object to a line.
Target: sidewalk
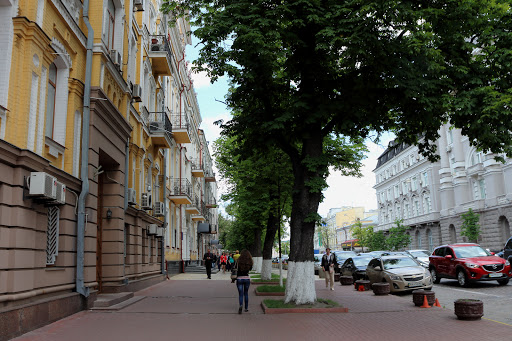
[{"x": 191, "y": 307}]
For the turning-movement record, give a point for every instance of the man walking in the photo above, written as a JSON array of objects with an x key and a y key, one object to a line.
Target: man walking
[
  {"x": 208, "y": 258},
  {"x": 328, "y": 264}
]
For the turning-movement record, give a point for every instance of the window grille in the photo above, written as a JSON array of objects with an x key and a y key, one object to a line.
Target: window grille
[{"x": 52, "y": 234}]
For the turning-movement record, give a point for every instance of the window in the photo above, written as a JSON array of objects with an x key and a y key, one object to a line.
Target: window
[
  {"x": 110, "y": 20},
  {"x": 52, "y": 235},
  {"x": 477, "y": 158},
  {"x": 430, "y": 240},
  {"x": 398, "y": 213},
  {"x": 397, "y": 191},
  {"x": 411, "y": 159},
  {"x": 389, "y": 194},
  {"x": 416, "y": 207},
  {"x": 406, "y": 211},
  {"x": 450, "y": 136},
  {"x": 427, "y": 205},
  {"x": 479, "y": 189},
  {"x": 414, "y": 183},
  {"x": 425, "y": 179},
  {"x": 50, "y": 100}
]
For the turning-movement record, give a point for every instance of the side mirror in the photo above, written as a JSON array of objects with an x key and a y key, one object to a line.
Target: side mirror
[
  {"x": 448, "y": 257},
  {"x": 377, "y": 268}
]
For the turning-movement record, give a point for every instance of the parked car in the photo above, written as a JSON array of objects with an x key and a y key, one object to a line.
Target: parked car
[
  {"x": 507, "y": 250},
  {"x": 468, "y": 262},
  {"x": 318, "y": 263},
  {"x": 355, "y": 267},
  {"x": 342, "y": 256},
  {"x": 421, "y": 256},
  {"x": 401, "y": 272},
  {"x": 377, "y": 253}
]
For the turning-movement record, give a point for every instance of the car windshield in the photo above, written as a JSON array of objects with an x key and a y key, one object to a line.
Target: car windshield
[
  {"x": 470, "y": 251},
  {"x": 344, "y": 254},
  {"x": 361, "y": 261},
  {"x": 420, "y": 253},
  {"x": 393, "y": 263}
]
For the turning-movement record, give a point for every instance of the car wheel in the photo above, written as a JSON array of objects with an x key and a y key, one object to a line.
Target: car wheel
[
  {"x": 503, "y": 281},
  {"x": 462, "y": 278},
  {"x": 435, "y": 278}
]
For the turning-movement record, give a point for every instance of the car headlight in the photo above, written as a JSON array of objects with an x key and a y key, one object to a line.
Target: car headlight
[
  {"x": 472, "y": 265},
  {"x": 507, "y": 263},
  {"x": 394, "y": 278}
]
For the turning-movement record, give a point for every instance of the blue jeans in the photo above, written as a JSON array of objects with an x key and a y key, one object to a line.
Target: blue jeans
[{"x": 243, "y": 291}]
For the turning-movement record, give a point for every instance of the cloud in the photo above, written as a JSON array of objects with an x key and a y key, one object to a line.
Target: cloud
[
  {"x": 212, "y": 131},
  {"x": 200, "y": 80}
]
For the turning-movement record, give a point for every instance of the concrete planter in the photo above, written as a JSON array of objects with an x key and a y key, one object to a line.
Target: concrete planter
[
  {"x": 469, "y": 309},
  {"x": 418, "y": 297},
  {"x": 381, "y": 289},
  {"x": 362, "y": 285},
  {"x": 346, "y": 280}
]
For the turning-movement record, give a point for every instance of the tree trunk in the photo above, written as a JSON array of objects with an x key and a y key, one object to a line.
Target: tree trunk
[
  {"x": 300, "y": 284},
  {"x": 272, "y": 226},
  {"x": 255, "y": 250}
]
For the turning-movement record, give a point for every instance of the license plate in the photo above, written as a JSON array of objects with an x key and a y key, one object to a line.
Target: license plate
[
  {"x": 494, "y": 274},
  {"x": 415, "y": 284}
]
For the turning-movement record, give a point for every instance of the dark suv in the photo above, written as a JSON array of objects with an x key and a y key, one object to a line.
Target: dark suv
[
  {"x": 507, "y": 250},
  {"x": 468, "y": 262}
]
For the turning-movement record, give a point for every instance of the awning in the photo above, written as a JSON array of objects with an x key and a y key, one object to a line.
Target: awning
[{"x": 350, "y": 242}]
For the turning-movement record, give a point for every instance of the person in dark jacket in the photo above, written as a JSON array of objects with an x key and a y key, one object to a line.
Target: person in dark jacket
[
  {"x": 208, "y": 259},
  {"x": 243, "y": 281},
  {"x": 329, "y": 262}
]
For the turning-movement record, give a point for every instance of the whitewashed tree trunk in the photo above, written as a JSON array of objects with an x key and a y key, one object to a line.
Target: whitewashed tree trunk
[
  {"x": 300, "y": 283},
  {"x": 257, "y": 264},
  {"x": 266, "y": 269}
]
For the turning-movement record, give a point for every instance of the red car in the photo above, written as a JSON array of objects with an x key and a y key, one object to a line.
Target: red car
[{"x": 467, "y": 263}]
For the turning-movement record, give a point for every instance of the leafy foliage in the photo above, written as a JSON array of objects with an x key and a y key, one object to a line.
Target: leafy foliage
[
  {"x": 470, "y": 225},
  {"x": 397, "y": 238}
]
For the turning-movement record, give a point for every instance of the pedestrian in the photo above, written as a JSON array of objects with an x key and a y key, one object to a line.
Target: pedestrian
[
  {"x": 208, "y": 259},
  {"x": 231, "y": 262},
  {"x": 328, "y": 264},
  {"x": 243, "y": 281},
  {"x": 236, "y": 255},
  {"x": 223, "y": 260}
]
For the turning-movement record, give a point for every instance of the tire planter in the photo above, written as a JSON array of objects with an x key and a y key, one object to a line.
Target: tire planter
[
  {"x": 336, "y": 277},
  {"x": 346, "y": 280},
  {"x": 418, "y": 297},
  {"x": 362, "y": 283},
  {"x": 469, "y": 309},
  {"x": 381, "y": 289}
]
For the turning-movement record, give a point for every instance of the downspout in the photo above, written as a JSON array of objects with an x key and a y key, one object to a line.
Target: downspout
[
  {"x": 164, "y": 169},
  {"x": 84, "y": 173},
  {"x": 126, "y": 175}
]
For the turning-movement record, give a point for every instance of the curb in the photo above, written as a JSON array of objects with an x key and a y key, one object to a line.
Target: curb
[
  {"x": 267, "y": 310},
  {"x": 257, "y": 293}
]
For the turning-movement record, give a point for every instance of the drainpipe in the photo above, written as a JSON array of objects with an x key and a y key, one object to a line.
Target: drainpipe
[
  {"x": 84, "y": 173},
  {"x": 164, "y": 169},
  {"x": 126, "y": 173}
]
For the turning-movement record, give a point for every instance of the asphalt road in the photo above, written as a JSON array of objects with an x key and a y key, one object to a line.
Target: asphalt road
[{"x": 497, "y": 299}]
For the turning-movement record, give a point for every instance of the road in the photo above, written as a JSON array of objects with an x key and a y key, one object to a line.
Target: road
[{"x": 497, "y": 299}]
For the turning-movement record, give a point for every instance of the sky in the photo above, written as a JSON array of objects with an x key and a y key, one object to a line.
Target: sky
[{"x": 342, "y": 191}]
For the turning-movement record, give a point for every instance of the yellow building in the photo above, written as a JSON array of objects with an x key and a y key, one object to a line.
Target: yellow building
[{"x": 105, "y": 172}]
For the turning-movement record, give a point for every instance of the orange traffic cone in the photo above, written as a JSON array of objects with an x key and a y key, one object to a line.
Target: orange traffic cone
[
  {"x": 425, "y": 302},
  {"x": 436, "y": 304}
]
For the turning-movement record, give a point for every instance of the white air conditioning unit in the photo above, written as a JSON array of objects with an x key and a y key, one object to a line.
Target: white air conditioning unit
[
  {"x": 158, "y": 210},
  {"x": 116, "y": 58},
  {"x": 137, "y": 93},
  {"x": 42, "y": 185},
  {"x": 160, "y": 232},
  {"x": 61, "y": 194},
  {"x": 152, "y": 228},
  {"x": 146, "y": 201},
  {"x": 138, "y": 4},
  {"x": 132, "y": 196}
]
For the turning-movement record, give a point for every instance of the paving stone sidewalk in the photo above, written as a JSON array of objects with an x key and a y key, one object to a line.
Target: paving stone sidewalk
[{"x": 191, "y": 307}]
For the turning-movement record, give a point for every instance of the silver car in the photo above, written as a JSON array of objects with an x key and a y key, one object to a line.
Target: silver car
[
  {"x": 403, "y": 273},
  {"x": 421, "y": 256}
]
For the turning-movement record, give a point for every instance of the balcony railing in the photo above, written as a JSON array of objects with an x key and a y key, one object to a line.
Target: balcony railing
[
  {"x": 159, "y": 49},
  {"x": 144, "y": 114},
  {"x": 160, "y": 126},
  {"x": 180, "y": 121},
  {"x": 181, "y": 187}
]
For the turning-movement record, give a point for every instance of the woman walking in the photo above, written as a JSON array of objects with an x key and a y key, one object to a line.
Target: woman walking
[
  {"x": 223, "y": 260},
  {"x": 243, "y": 281}
]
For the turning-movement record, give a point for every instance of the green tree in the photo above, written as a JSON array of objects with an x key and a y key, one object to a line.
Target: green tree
[
  {"x": 397, "y": 238},
  {"x": 318, "y": 77},
  {"x": 377, "y": 241},
  {"x": 362, "y": 234},
  {"x": 326, "y": 235},
  {"x": 470, "y": 225}
]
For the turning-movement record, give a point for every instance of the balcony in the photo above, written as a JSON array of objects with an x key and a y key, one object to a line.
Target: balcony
[
  {"x": 211, "y": 202},
  {"x": 180, "y": 192},
  {"x": 194, "y": 207},
  {"x": 181, "y": 132},
  {"x": 209, "y": 175},
  {"x": 144, "y": 115},
  {"x": 160, "y": 129},
  {"x": 160, "y": 55},
  {"x": 202, "y": 214},
  {"x": 197, "y": 168}
]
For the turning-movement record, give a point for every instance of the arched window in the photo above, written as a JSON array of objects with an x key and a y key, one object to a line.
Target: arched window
[
  {"x": 453, "y": 234},
  {"x": 504, "y": 228},
  {"x": 430, "y": 240},
  {"x": 418, "y": 239}
]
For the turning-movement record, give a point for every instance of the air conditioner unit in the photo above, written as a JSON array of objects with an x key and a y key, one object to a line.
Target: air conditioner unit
[
  {"x": 42, "y": 185},
  {"x": 138, "y": 5},
  {"x": 61, "y": 194},
  {"x": 146, "y": 201},
  {"x": 116, "y": 58},
  {"x": 160, "y": 232},
  {"x": 152, "y": 228},
  {"x": 137, "y": 93},
  {"x": 156, "y": 127},
  {"x": 132, "y": 199},
  {"x": 159, "y": 209}
]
